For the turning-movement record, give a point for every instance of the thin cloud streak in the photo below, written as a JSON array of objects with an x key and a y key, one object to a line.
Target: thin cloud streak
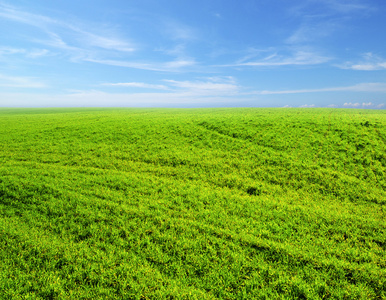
[
  {"x": 138, "y": 85},
  {"x": 172, "y": 66},
  {"x": 274, "y": 59},
  {"x": 208, "y": 86},
  {"x": 368, "y": 67},
  {"x": 312, "y": 31},
  {"x": 347, "y": 6},
  {"x": 376, "y": 87},
  {"x": 329, "y": 8},
  {"x": 9, "y": 54},
  {"x": 10, "y": 51}
]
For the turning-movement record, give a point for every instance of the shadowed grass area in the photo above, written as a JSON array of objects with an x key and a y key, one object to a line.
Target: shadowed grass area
[{"x": 192, "y": 203}]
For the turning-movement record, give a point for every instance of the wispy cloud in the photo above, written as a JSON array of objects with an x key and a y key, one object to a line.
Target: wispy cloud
[
  {"x": 20, "y": 82},
  {"x": 211, "y": 86},
  {"x": 104, "y": 42},
  {"x": 275, "y": 58},
  {"x": 347, "y": 6},
  {"x": 38, "y": 53},
  {"x": 312, "y": 31},
  {"x": 10, "y": 51},
  {"x": 178, "y": 51},
  {"x": 177, "y": 30},
  {"x": 5, "y": 52},
  {"x": 138, "y": 85},
  {"x": 327, "y": 8},
  {"x": 376, "y": 87},
  {"x": 177, "y": 39},
  {"x": 78, "y": 37},
  {"x": 221, "y": 85},
  {"x": 14, "y": 14},
  {"x": 369, "y": 62},
  {"x": 369, "y": 105},
  {"x": 368, "y": 67},
  {"x": 171, "y": 66},
  {"x": 321, "y": 18}
]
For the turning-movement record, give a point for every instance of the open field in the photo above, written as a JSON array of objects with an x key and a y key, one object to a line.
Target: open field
[{"x": 192, "y": 204}]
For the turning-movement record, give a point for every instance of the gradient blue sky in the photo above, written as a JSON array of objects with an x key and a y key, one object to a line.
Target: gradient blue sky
[{"x": 202, "y": 53}]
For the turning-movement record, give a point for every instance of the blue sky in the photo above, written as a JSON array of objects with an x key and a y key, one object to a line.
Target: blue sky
[{"x": 202, "y": 53}]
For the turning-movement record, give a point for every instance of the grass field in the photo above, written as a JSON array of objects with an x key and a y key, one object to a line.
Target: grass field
[{"x": 192, "y": 204}]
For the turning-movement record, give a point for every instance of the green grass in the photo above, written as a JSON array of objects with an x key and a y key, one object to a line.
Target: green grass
[{"x": 192, "y": 204}]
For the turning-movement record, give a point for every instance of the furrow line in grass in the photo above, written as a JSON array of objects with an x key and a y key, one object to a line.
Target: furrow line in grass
[
  {"x": 273, "y": 252},
  {"x": 182, "y": 172}
]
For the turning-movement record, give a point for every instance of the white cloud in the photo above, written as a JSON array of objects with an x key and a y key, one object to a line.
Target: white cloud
[
  {"x": 367, "y": 66},
  {"x": 20, "y": 82},
  {"x": 38, "y": 53},
  {"x": 376, "y": 87},
  {"x": 209, "y": 91},
  {"x": 5, "y": 52},
  {"x": 349, "y": 104},
  {"x": 275, "y": 58},
  {"x": 369, "y": 62},
  {"x": 10, "y": 51},
  {"x": 177, "y": 64},
  {"x": 105, "y": 42},
  {"x": 211, "y": 86},
  {"x": 138, "y": 85},
  {"x": 363, "y": 105},
  {"x": 307, "y": 105},
  {"x": 12, "y": 13},
  {"x": 171, "y": 66}
]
